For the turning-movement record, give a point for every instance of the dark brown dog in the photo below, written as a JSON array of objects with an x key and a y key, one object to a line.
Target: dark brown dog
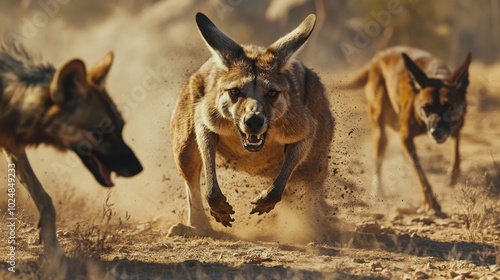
[
  {"x": 67, "y": 108},
  {"x": 411, "y": 86}
]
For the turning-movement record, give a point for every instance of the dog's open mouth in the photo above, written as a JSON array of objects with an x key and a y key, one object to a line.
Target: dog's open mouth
[
  {"x": 100, "y": 171},
  {"x": 440, "y": 139},
  {"x": 253, "y": 142}
]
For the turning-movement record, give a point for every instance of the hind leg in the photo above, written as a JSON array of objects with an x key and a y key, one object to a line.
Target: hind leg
[
  {"x": 43, "y": 202},
  {"x": 378, "y": 109},
  {"x": 189, "y": 164}
]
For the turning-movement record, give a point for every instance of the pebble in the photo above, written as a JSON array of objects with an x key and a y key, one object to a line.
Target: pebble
[
  {"x": 419, "y": 274},
  {"x": 376, "y": 266},
  {"x": 460, "y": 273},
  {"x": 369, "y": 227},
  {"x": 143, "y": 227}
]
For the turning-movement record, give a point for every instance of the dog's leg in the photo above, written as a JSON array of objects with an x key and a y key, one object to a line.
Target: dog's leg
[
  {"x": 455, "y": 163},
  {"x": 294, "y": 154},
  {"x": 376, "y": 93},
  {"x": 43, "y": 202},
  {"x": 220, "y": 209},
  {"x": 430, "y": 201}
]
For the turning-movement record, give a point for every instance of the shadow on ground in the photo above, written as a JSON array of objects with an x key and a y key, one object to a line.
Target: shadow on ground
[{"x": 190, "y": 269}]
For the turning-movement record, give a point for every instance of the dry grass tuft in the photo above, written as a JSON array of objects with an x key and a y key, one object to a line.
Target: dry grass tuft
[{"x": 92, "y": 239}]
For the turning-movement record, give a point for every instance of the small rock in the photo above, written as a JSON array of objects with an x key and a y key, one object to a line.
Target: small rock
[
  {"x": 369, "y": 227},
  {"x": 378, "y": 216},
  {"x": 431, "y": 266},
  {"x": 143, "y": 227},
  {"x": 358, "y": 260},
  {"x": 460, "y": 273},
  {"x": 494, "y": 268},
  {"x": 376, "y": 266},
  {"x": 419, "y": 274},
  {"x": 124, "y": 250}
]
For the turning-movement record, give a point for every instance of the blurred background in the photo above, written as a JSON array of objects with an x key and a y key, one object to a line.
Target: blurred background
[
  {"x": 157, "y": 46},
  {"x": 446, "y": 28}
]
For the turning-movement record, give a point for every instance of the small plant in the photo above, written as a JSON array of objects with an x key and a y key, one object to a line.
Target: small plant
[
  {"x": 471, "y": 203},
  {"x": 94, "y": 239}
]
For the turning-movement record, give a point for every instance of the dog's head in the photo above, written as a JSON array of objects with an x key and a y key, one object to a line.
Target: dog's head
[
  {"x": 253, "y": 85},
  {"x": 439, "y": 103},
  {"x": 84, "y": 118}
]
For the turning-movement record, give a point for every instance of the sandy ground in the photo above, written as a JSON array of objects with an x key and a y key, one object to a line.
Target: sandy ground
[
  {"x": 121, "y": 233},
  {"x": 386, "y": 238}
]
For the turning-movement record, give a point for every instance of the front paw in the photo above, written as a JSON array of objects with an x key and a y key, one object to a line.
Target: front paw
[
  {"x": 221, "y": 210},
  {"x": 265, "y": 202}
]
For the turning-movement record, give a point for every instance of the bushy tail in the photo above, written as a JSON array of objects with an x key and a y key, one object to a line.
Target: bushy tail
[{"x": 358, "y": 81}]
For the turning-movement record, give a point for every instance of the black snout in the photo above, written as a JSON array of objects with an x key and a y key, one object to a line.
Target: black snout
[
  {"x": 436, "y": 132},
  {"x": 254, "y": 123},
  {"x": 127, "y": 164}
]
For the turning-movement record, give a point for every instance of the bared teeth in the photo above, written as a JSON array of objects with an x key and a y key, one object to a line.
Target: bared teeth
[{"x": 253, "y": 140}]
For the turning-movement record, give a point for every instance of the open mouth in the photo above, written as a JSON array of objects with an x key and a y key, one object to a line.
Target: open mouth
[
  {"x": 100, "y": 171},
  {"x": 253, "y": 142},
  {"x": 440, "y": 139}
]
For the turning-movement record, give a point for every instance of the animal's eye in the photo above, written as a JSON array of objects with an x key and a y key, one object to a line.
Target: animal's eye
[
  {"x": 272, "y": 93},
  {"x": 234, "y": 91}
]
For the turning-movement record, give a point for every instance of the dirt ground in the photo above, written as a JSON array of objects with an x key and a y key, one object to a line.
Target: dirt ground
[
  {"x": 121, "y": 233},
  {"x": 376, "y": 238}
]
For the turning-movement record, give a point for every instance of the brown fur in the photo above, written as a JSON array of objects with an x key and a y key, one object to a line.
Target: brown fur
[
  {"x": 411, "y": 86},
  {"x": 257, "y": 106},
  {"x": 67, "y": 108}
]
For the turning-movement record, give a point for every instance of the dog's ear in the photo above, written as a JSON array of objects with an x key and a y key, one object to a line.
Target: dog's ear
[
  {"x": 223, "y": 47},
  {"x": 418, "y": 79},
  {"x": 97, "y": 74},
  {"x": 460, "y": 77},
  {"x": 69, "y": 83},
  {"x": 285, "y": 48}
]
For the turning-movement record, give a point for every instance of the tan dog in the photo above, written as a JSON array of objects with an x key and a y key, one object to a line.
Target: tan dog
[
  {"x": 68, "y": 109},
  {"x": 411, "y": 86},
  {"x": 258, "y": 107}
]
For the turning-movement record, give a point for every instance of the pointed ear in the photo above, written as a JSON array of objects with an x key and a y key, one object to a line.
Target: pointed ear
[
  {"x": 69, "y": 83},
  {"x": 460, "y": 77},
  {"x": 285, "y": 48},
  {"x": 418, "y": 79},
  {"x": 219, "y": 43},
  {"x": 98, "y": 73}
]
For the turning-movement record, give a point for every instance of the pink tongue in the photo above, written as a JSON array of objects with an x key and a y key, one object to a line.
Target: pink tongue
[{"x": 103, "y": 171}]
